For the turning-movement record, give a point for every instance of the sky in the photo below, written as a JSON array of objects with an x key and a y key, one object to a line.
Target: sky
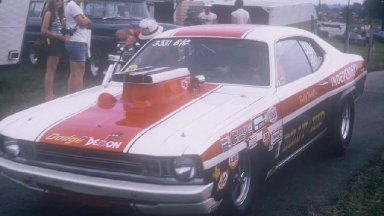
[{"x": 336, "y": 1}]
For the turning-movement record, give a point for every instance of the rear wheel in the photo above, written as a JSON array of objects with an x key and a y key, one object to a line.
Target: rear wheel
[{"x": 341, "y": 131}]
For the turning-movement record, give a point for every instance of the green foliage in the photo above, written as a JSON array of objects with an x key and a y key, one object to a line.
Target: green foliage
[{"x": 373, "y": 9}]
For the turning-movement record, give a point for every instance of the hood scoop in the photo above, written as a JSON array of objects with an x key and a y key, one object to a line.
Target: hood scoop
[{"x": 155, "y": 87}]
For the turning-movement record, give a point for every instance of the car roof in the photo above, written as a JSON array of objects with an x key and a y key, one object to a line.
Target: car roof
[{"x": 254, "y": 32}]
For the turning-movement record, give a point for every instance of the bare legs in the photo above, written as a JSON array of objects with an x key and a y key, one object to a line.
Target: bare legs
[
  {"x": 49, "y": 79},
  {"x": 76, "y": 76}
]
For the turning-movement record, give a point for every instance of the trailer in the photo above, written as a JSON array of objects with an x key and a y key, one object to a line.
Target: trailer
[
  {"x": 300, "y": 13},
  {"x": 13, "y": 18}
]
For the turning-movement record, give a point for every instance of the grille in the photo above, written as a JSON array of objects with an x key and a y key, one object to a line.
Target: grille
[{"x": 89, "y": 159}]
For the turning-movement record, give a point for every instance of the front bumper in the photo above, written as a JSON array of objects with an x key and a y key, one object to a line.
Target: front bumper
[{"x": 148, "y": 198}]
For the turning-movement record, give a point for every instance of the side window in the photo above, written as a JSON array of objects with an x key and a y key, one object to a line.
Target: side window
[
  {"x": 291, "y": 62},
  {"x": 313, "y": 53}
]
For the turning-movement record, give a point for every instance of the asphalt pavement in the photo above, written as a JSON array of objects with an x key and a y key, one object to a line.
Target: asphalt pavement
[{"x": 310, "y": 182}]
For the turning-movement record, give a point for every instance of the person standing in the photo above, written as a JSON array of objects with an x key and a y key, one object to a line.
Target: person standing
[
  {"x": 207, "y": 17},
  {"x": 240, "y": 16},
  {"x": 51, "y": 28},
  {"x": 76, "y": 45}
]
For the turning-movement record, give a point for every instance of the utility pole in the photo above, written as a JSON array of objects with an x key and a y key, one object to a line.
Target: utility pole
[
  {"x": 346, "y": 45},
  {"x": 382, "y": 15}
]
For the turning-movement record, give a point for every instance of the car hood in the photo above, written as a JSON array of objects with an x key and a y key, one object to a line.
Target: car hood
[{"x": 100, "y": 118}]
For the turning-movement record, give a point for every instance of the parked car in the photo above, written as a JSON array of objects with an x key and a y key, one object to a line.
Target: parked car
[
  {"x": 199, "y": 118},
  {"x": 378, "y": 36},
  {"x": 107, "y": 17},
  {"x": 357, "y": 39}
]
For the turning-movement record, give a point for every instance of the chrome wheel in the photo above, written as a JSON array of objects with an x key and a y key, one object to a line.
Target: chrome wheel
[
  {"x": 33, "y": 56},
  {"x": 242, "y": 182},
  {"x": 94, "y": 69},
  {"x": 345, "y": 122}
]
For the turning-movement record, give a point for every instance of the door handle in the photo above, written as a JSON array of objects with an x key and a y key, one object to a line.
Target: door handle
[{"x": 323, "y": 84}]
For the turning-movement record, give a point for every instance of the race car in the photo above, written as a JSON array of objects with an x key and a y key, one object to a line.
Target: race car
[{"x": 198, "y": 119}]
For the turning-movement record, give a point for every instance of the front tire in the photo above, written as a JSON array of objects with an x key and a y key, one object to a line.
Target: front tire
[{"x": 245, "y": 186}]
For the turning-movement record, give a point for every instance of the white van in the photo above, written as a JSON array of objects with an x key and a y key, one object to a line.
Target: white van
[{"x": 13, "y": 17}]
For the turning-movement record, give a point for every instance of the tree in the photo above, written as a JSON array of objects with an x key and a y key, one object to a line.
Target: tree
[{"x": 373, "y": 9}]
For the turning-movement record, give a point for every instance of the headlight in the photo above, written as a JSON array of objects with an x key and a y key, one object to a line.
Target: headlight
[
  {"x": 11, "y": 147},
  {"x": 185, "y": 168}
]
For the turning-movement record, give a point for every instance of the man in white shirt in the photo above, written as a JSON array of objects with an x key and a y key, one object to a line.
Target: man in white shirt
[
  {"x": 240, "y": 16},
  {"x": 207, "y": 17},
  {"x": 76, "y": 44}
]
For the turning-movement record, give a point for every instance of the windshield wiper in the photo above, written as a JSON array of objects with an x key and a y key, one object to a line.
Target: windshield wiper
[{"x": 122, "y": 18}]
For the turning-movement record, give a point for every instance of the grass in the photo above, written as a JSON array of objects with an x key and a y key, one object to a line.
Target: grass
[
  {"x": 23, "y": 87},
  {"x": 376, "y": 62},
  {"x": 365, "y": 197}
]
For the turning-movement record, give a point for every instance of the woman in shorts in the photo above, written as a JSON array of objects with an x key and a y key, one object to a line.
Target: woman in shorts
[{"x": 52, "y": 29}]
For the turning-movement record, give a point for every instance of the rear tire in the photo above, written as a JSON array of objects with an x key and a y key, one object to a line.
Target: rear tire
[{"x": 341, "y": 131}]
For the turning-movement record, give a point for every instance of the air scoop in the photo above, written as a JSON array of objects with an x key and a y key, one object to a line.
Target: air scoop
[{"x": 155, "y": 87}]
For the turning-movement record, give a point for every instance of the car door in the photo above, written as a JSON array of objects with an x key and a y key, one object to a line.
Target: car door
[{"x": 299, "y": 89}]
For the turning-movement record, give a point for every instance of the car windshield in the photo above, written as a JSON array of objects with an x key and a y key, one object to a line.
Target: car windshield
[
  {"x": 219, "y": 60},
  {"x": 35, "y": 8},
  {"x": 107, "y": 9}
]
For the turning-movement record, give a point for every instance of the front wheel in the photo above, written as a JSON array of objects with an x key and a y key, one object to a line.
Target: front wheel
[
  {"x": 246, "y": 185},
  {"x": 35, "y": 57}
]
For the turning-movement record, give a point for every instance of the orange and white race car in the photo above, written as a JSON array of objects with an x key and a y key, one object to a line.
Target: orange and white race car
[{"x": 199, "y": 118}]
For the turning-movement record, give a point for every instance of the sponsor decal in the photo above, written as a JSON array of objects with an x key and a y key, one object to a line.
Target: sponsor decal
[
  {"x": 109, "y": 142},
  {"x": 233, "y": 161},
  {"x": 317, "y": 121},
  {"x": 258, "y": 122},
  {"x": 307, "y": 96},
  {"x": 71, "y": 139},
  {"x": 272, "y": 114},
  {"x": 240, "y": 134},
  {"x": 226, "y": 143},
  {"x": 223, "y": 180},
  {"x": 254, "y": 139},
  {"x": 276, "y": 138},
  {"x": 305, "y": 128},
  {"x": 103, "y": 143},
  {"x": 185, "y": 83},
  {"x": 295, "y": 136},
  {"x": 216, "y": 173},
  {"x": 266, "y": 137},
  {"x": 344, "y": 75}
]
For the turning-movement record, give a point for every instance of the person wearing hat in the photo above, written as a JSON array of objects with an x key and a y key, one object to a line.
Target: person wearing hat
[
  {"x": 207, "y": 17},
  {"x": 149, "y": 28}
]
